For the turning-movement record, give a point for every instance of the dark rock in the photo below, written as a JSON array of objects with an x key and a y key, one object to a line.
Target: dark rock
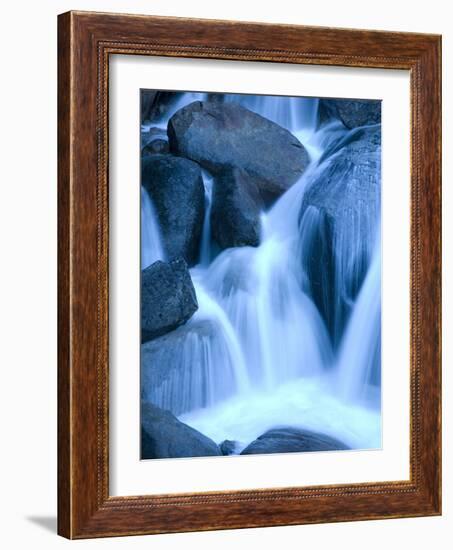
[
  {"x": 351, "y": 112},
  {"x": 176, "y": 188},
  {"x": 156, "y": 147},
  {"x": 228, "y": 447},
  {"x": 292, "y": 440},
  {"x": 148, "y": 102},
  {"x": 338, "y": 223},
  {"x": 156, "y": 105},
  {"x": 222, "y": 136},
  {"x": 148, "y": 136},
  {"x": 164, "y": 436},
  {"x": 235, "y": 211},
  {"x": 168, "y": 298},
  {"x": 176, "y": 372}
]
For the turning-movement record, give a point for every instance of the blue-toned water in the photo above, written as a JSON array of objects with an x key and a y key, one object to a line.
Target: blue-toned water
[{"x": 282, "y": 368}]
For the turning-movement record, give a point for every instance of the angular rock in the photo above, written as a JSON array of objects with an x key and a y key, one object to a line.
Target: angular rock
[
  {"x": 338, "y": 223},
  {"x": 222, "y": 136},
  {"x": 168, "y": 298},
  {"x": 351, "y": 112},
  {"x": 235, "y": 211},
  {"x": 164, "y": 436},
  {"x": 176, "y": 188},
  {"x": 176, "y": 372},
  {"x": 292, "y": 440}
]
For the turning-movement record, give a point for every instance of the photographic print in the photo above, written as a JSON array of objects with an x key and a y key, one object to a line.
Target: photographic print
[{"x": 260, "y": 274}]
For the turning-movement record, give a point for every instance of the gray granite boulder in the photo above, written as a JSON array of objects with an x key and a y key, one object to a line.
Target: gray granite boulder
[
  {"x": 223, "y": 136},
  {"x": 168, "y": 298},
  {"x": 351, "y": 112},
  {"x": 235, "y": 211},
  {"x": 176, "y": 188},
  {"x": 292, "y": 440},
  {"x": 164, "y": 436}
]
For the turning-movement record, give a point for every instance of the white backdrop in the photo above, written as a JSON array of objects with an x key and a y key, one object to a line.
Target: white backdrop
[{"x": 28, "y": 274}]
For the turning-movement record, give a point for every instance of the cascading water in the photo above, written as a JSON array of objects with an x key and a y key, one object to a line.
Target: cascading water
[
  {"x": 267, "y": 359},
  {"x": 150, "y": 246}
]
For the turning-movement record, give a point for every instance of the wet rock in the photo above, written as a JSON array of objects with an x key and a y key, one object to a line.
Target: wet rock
[
  {"x": 351, "y": 112},
  {"x": 156, "y": 105},
  {"x": 236, "y": 208},
  {"x": 292, "y": 440},
  {"x": 176, "y": 188},
  {"x": 150, "y": 135},
  {"x": 168, "y": 298},
  {"x": 156, "y": 147},
  {"x": 228, "y": 447},
  {"x": 338, "y": 223},
  {"x": 223, "y": 136},
  {"x": 164, "y": 436}
]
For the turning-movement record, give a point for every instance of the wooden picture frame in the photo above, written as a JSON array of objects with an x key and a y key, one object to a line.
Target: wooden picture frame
[{"x": 85, "y": 42}]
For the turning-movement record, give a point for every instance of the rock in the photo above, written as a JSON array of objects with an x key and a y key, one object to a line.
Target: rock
[
  {"x": 156, "y": 105},
  {"x": 176, "y": 188},
  {"x": 168, "y": 298},
  {"x": 292, "y": 440},
  {"x": 222, "y": 136},
  {"x": 148, "y": 101},
  {"x": 155, "y": 147},
  {"x": 154, "y": 133},
  {"x": 164, "y": 436},
  {"x": 228, "y": 447},
  {"x": 351, "y": 112},
  {"x": 179, "y": 375},
  {"x": 235, "y": 211},
  {"x": 338, "y": 223}
]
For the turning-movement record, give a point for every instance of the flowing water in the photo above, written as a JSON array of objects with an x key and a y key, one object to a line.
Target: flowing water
[{"x": 276, "y": 365}]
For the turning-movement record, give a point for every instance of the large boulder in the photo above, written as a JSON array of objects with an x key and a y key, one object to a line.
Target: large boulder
[
  {"x": 177, "y": 372},
  {"x": 235, "y": 211},
  {"x": 168, "y": 298},
  {"x": 176, "y": 188},
  {"x": 222, "y": 136},
  {"x": 339, "y": 221},
  {"x": 292, "y": 440},
  {"x": 351, "y": 112},
  {"x": 164, "y": 436}
]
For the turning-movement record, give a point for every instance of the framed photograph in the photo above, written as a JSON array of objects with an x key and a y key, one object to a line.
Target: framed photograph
[{"x": 249, "y": 275}]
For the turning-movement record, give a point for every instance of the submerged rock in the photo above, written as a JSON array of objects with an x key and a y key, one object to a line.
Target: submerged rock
[
  {"x": 222, "y": 136},
  {"x": 228, "y": 447},
  {"x": 292, "y": 440},
  {"x": 351, "y": 112},
  {"x": 338, "y": 224},
  {"x": 168, "y": 298},
  {"x": 187, "y": 368},
  {"x": 235, "y": 211},
  {"x": 176, "y": 188},
  {"x": 164, "y": 436}
]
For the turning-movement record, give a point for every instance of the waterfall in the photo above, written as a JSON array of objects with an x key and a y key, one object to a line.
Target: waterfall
[
  {"x": 205, "y": 248},
  {"x": 151, "y": 244},
  {"x": 293, "y": 113},
  {"x": 257, "y": 353},
  {"x": 360, "y": 353}
]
